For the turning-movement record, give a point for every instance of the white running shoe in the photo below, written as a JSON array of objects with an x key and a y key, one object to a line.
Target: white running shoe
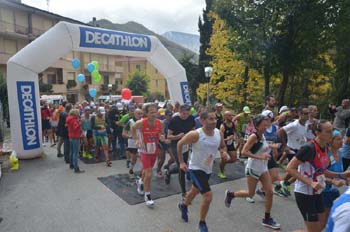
[
  {"x": 250, "y": 200},
  {"x": 149, "y": 201},
  {"x": 139, "y": 184}
]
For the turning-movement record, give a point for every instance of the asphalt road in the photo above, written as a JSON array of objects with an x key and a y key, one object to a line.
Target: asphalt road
[{"x": 45, "y": 195}]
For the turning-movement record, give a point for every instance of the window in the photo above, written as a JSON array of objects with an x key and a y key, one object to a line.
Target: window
[
  {"x": 138, "y": 67},
  {"x": 88, "y": 80},
  {"x": 51, "y": 79},
  {"x": 105, "y": 80}
]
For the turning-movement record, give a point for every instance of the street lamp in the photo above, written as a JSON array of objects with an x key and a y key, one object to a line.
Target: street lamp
[
  {"x": 110, "y": 91},
  {"x": 208, "y": 71}
]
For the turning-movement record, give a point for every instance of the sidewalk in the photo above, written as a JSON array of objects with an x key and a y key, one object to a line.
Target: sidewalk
[{"x": 45, "y": 195}]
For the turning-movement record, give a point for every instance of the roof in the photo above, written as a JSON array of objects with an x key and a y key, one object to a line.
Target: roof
[{"x": 24, "y": 7}]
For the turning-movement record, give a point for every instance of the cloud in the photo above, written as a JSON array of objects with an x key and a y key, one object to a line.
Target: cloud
[{"x": 157, "y": 15}]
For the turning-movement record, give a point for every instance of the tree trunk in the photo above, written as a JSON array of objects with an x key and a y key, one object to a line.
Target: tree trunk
[
  {"x": 245, "y": 84},
  {"x": 267, "y": 77},
  {"x": 283, "y": 87}
]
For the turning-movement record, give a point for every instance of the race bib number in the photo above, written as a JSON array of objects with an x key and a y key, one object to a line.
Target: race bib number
[
  {"x": 229, "y": 142},
  {"x": 151, "y": 148}
]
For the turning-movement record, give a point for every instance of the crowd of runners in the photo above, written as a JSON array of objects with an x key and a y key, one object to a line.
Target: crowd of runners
[{"x": 312, "y": 153}]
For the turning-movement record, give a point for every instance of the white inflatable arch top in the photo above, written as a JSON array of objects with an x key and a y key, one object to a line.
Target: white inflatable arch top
[{"x": 23, "y": 69}]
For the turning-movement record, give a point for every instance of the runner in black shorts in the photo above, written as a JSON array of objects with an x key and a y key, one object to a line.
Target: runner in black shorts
[{"x": 228, "y": 131}]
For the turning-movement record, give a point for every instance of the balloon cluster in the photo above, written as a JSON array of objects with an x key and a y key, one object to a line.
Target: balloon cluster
[{"x": 93, "y": 69}]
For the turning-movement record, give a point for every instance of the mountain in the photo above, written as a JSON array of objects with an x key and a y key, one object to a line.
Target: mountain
[
  {"x": 186, "y": 40},
  {"x": 175, "y": 49}
]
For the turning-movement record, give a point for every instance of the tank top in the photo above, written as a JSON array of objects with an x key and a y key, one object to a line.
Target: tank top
[
  {"x": 204, "y": 151},
  {"x": 272, "y": 135},
  {"x": 86, "y": 124},
  {"x": 228, "y": 132},
  {"x": 335, "y": 166},
  {"x": 131, "y": 141},
  {"x": 260, "y": 148},
  {"x": 312, "y": 169},
  {"x": 149, "y": 137}
]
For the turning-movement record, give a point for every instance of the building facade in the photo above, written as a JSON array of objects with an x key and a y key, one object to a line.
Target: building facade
[{"x": 20, "y": 24}]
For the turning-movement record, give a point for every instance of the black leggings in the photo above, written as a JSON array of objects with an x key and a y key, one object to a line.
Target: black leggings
[{"x": 182, "y": 177}]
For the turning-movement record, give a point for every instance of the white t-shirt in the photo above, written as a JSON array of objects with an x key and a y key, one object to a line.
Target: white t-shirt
[{"x": 295, "y": 134}]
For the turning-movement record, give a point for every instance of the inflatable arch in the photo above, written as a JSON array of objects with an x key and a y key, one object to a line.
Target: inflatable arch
[{"x": 23, "y": 69}]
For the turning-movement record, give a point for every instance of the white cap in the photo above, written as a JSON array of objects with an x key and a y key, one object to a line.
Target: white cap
[
  {"x": 268, "y": 113},
  {"x": 120, "y": 106},
  {"x": 283, "y": 109}
]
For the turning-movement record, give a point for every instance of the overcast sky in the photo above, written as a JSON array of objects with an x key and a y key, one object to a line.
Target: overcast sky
[{"x": 157, "y": 15}]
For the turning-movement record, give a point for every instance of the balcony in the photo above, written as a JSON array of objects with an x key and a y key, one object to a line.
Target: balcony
[{"x": 13, "y": 30}]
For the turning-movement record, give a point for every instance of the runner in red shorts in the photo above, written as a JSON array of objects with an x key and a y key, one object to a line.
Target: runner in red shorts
[{"x": 147, "y": 132}]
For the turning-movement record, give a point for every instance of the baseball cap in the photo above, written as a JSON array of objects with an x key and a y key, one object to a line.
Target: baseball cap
[
  {"x": 246, "y": 109},
  {"x": 258, "y": 119},
  {"x": 87, "y": 108},
  {"x": 267, "y": 113},
  {"x": 283, "y": 109},
  {"x": 101, "y": 110},
  {"x": 131, "y": 107},
  {"x": 168, "y": 112},
  {"x": 161, "y": 111},
  {"x": 119, "y": 106},
  {"x": 219, "y": 104}
]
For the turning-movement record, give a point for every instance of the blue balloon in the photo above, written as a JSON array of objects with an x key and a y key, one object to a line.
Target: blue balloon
[
  {"x": 76, "y": 63},
  {"x": 92, "y": 92},
  {"x": 90, "y": 67},
  {"x": 81, "y": 77}
]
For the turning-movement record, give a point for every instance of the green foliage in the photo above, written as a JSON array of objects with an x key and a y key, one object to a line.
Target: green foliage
[
  {"x": 191, "y": 72},
  {"x": 205, "y": 25},
  {"x": 4, "y": 96},
  {"x": 300, "y": 48},
  {"x": 70, "y": 84},
  {"x": 138, "y": 83}
]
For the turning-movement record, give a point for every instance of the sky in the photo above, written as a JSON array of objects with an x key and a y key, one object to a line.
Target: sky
[{"x": 157, "y": 15}]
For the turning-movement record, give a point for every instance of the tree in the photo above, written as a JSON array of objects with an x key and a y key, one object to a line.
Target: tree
[
  {"x": 138, "y": 83},
  {"x": 205, "y": 26},
  {"x": 191, "y": 72},
  {"x": 232, "y": 81},
  {"x": 4, "y": 96}
]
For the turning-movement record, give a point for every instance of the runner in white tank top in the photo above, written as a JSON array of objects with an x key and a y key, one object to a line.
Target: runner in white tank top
[
  {"x": 203, "y": 152},
  {"x": 205, "y": 143}
]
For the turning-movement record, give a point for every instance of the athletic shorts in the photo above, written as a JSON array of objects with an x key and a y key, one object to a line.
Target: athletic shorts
[
  {"x": 310, "y": 206},
  {"x": 272, "y": 163},
  {"x": 101, "y": 140},
  {"x": 253, "y": 173},
  {"x": 290, "y": 156},
  {"x": 200, "y": 180},
  {"x": 46, "y": 125},
  {"x": 231, "y": 147},
  {"x": 163, "y": 146},
  {"x": 148, "y": 160},
  {"x": 132, "y": 150},
  {"x": 329, "y": 197}
]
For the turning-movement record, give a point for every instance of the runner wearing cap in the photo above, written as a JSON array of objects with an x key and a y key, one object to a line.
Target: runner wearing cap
[
  {"x": 98, "y": 124},
  {"x": 87, "y": 137},
  {"x": 258, "y": 152},
  {"x": 242, "y": 120}
]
